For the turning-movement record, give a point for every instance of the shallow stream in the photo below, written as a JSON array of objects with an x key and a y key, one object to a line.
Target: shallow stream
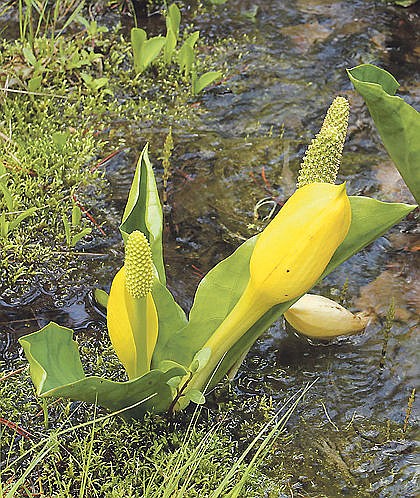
[{"x": 348, "y": 435}]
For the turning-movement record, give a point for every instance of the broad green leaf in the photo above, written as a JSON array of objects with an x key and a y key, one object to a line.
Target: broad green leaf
[
  {"x": 398, "y": 123},
  {"x": 205, "y": 80},
  {"x": 143, "y": 211},
  {"x": 151, "y": 49},
  {"x": 221, "y": 288},
  {"x": 56, "y": 370},
  {"x": 171, "y": 318},
  {"x": 216, "y": 295},
  {"x": 138, "y": 37},
  {"x": 370, "y": 219}
]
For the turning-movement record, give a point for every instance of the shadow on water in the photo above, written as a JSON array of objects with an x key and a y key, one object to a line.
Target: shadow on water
[{"x": 347, "y": 439}]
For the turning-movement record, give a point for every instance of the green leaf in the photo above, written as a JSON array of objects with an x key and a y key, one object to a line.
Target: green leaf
[
  {"x": 171, "y": 319},
  {"x": 138, "y": 37},
  {"x": 405, "y": 3},
  {"x": 186, "y": 58},
  {"x": 8, "y": 198},
  {"x": 195, "y": 396},
  {"x": 56, "y": 370},
  {"x": 29, "y": 212},
  {"x": 205, "y": 80},
  {"x": 192, "y": 39},
  {"x": 143, "y": 211},
  {"x": 398, "y": 123},
  {"x": 101, "y": 297},
  {"x": 151, "y": 49},
  {"x": 370, "y": 219},
  {"x": 173, "y": 20},
  {"x": 29, "y": 56},
  {"x": 200, "y": 360},
  {"x": 79, "y": 236},
  {"x": 34, "y": 84},
  {"x": 216, "y": 295}
]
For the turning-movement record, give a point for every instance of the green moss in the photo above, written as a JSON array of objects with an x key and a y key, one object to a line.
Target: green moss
[{"x": 62, "y": 91}]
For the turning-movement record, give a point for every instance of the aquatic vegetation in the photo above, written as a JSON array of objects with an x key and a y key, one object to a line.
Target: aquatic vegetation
[
  {"x": 64, "y": 101},
  {"x": 318, "y": 228},
  {"x": 145, "y": 51}
]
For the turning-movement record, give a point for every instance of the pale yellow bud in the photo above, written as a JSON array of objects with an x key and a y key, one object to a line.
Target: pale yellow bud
[{"x": 321, "y": 318}]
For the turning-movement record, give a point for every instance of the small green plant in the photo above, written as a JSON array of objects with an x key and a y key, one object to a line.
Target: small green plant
[
  {"x": 146, "y": 51},
  {"x": 171, "y": 360},
  {"x": 69, "y": 228},
  {"x": 166, "y": 163}
]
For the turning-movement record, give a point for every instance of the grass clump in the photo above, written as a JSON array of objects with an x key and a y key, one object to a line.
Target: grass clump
[{"x": 87, "y": 453}]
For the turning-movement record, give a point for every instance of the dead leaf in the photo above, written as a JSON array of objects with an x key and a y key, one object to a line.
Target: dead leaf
[{"x": 405, "y": 290}]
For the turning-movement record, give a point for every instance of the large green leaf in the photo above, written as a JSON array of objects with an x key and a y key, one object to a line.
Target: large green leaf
[
  {"x": 143, "y": 211},
  {"x": 171, "y": 318},
  {"x": 56, "y": 370},
  {"x": 221, "y": 288},
  {"x": 398, "y": 123}
]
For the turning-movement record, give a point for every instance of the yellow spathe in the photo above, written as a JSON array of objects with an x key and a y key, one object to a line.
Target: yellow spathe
[
  {"x": 294, "y": 249},
  {"x": 132, "y": 326},
  {"x": 289, "y": 257}
]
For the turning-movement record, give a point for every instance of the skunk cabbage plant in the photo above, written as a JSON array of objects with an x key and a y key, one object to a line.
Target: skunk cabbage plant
[{"x": 170, "y": 359}]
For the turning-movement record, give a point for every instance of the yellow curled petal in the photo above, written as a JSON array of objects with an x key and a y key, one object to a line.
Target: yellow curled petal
[
  {"x": 294, "y": 249},
  {"x": 321, "y": 318},
  {"x": 132, "y": 326}
]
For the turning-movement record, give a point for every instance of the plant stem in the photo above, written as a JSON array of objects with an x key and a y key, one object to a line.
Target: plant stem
[{"x": 247, "y": 311}]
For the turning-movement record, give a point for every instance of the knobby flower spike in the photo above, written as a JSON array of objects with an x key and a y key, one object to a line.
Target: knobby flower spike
[
  {"x": 289, "y": 257},
  {"x": 318, "y": 317},
  {"x": 322, "y": 158},
  {"x": 131, "y": 313}
]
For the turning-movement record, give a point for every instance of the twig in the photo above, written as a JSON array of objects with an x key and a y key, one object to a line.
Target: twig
[
  {"x": 105, "y": 160},
  {"x": 26, "y": 92},
  {"x": 14, "y": 372},
  {"x": 16, "y": 428},
  {"x": 88, "y": 215}
]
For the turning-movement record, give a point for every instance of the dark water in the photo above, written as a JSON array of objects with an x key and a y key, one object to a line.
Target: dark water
[{"x": 348, "y": 438}]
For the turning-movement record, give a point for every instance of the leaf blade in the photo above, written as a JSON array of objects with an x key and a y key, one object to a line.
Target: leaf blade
[
  {"x": 143, "y": 211},
  {"x": 397, "y": 122}
]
